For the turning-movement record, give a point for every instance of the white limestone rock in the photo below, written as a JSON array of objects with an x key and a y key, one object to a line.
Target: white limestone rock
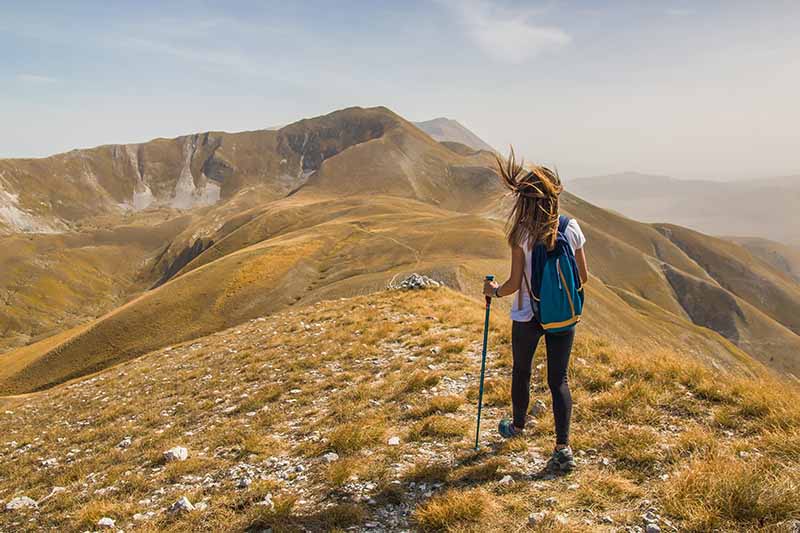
[
  {"x": 106, "y": 523},
  {"x": 178, "y": 453},
  {"x": 183, "y": 505},
  {"x": 21, "y": 502}
]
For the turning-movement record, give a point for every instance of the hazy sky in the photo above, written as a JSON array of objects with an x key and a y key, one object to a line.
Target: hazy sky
[{"x": 685, "y": 88}]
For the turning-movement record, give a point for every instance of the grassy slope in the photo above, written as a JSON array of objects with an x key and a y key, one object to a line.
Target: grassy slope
[
  {"x": 782, "y": 257},
  {"x": 343, "y": 256},
  {"x": 742, "y": 273},
  {"x": 306, "y": 248},
  {"x": 350, "y": 241},
  {"x": 708, "y": 281},
  {"x": 706, "y": 450},
  {"x": 53, "y": 282}
]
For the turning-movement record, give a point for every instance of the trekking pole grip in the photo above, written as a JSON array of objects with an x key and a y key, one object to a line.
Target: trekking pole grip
[{"x": 489, "y": 277}]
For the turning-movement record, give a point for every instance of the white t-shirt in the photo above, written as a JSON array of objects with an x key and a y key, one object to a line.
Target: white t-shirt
[{"x": 521, "y": 310}]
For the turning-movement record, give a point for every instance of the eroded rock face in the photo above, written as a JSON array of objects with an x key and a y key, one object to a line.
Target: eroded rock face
[
  {"x": 45, "y": 195},
  {"x": 318, "y": 139},
  {"x": 706, "y": 304},
  {"x": 15, "y": 218}
]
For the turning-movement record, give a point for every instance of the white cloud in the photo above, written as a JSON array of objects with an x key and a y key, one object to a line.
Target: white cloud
[
  {"x": 506, "y": 35},
  {"x": 35, "y": 78}
]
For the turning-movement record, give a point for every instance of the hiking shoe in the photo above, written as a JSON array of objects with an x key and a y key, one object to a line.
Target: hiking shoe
[
  {"x": 562, "y": 460},
  {"x": 507, "y": 429}
]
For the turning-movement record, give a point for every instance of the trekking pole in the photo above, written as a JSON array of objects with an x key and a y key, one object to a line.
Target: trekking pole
[{"x": 483, "y": 363}]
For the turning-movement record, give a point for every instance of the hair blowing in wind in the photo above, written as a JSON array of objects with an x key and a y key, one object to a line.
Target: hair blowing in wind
[{"x": 536, "y": 189}]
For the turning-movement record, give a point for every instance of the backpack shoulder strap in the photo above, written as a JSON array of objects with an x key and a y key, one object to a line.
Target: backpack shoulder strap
[
  {"x": 563, "y": 222},
  {"x": 528, "y": 286}
]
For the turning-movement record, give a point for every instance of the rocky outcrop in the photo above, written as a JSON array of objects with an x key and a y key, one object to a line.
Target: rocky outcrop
[
  {"x": 315, "y": 140},
  {"x": 414, "y": 282}
]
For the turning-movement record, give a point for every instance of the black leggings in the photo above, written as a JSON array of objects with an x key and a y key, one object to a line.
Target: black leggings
[{"x": 524, "y": 338}]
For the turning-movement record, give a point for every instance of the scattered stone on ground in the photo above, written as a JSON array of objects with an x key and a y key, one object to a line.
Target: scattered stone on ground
[
  {"x": 178, "y": 453},
  {"x": 106, "y": 523},
  {"x": 53, "y": 492},
  {"x": 651, "y": 520},
  {"x": 535, "y": 519},
  {"x": 21, "y": 502},
  {"x": 538, "y": 407},
  {"x": 183, "y": 505},
  {"x": 267, "y": 502}
]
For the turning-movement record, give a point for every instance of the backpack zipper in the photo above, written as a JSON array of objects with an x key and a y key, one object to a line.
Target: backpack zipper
[{"x": 558, "y": 268}]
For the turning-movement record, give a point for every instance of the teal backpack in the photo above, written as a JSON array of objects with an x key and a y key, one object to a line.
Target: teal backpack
[{"x": 555, "y": 289}]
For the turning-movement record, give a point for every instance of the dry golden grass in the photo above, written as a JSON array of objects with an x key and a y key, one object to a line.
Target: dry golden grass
[
  {"x": 602, "y": 490},
  {"x": 437, "y": 405},
  {"x": 438, "y": 427},
  {"x": 722, "y": 492},
  {"x": 482, "y": 471},
  {"x": 352, "y": 437},
  {"x": 453, "y": 508},
  {"x": 427, "y": 471},
  {"x": 419, "y": 380},
  {"x": 290, "y": 388}
]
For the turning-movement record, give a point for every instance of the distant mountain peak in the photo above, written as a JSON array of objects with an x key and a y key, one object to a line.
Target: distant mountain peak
[{"x": 445, "y": 129}]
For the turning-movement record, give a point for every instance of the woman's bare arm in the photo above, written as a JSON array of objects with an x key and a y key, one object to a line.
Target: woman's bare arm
[
  {"x": 583, "y": 270},
  {"x": 514, "y": 280}
]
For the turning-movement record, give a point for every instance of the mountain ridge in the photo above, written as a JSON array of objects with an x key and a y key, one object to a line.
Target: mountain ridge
[{"x": 380, "y": 198}]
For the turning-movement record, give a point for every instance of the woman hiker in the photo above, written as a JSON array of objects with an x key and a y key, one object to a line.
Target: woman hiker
[{"x": 548, "y": 270}]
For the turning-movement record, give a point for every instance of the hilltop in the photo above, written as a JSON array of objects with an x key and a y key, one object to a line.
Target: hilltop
[
  {"x": 448, "y": 130},
  {"x": 289, "y": 422}
]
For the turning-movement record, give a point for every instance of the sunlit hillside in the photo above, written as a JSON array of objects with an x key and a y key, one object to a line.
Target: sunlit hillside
[
  {"x": 360, "y": 412},
  {"x": 381, "y": 199}
]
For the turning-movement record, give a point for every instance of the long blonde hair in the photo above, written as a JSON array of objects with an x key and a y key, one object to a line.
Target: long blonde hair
[{"x": 534, "y": 216}]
